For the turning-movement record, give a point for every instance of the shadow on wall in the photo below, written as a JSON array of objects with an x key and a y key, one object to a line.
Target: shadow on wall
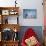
[{"x": 37, "y": 29}]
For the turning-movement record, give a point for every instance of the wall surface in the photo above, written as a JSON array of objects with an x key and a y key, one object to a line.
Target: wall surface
[
  {"x": 32, "y": 4},
  {"x": 27, "y": 4},
  {"x": 7, "y": 3}
]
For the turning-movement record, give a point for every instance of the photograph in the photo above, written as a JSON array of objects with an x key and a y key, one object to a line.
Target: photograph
[{"x": 29, "y": 13}]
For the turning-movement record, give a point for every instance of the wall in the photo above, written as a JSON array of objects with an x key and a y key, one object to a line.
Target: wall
[
  {"x": 7, "y": 3},
  {"x": 32, "y": 4},
  {"x": 27, "y": 4}
]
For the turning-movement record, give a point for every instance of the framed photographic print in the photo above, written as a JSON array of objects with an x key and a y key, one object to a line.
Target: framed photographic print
[
  {"x": 29, "y": 13},
  {"x": 5, "y": 12}
]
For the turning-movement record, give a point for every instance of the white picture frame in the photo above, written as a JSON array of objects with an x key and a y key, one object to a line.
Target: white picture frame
[{"x": 5, "y": 12}]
